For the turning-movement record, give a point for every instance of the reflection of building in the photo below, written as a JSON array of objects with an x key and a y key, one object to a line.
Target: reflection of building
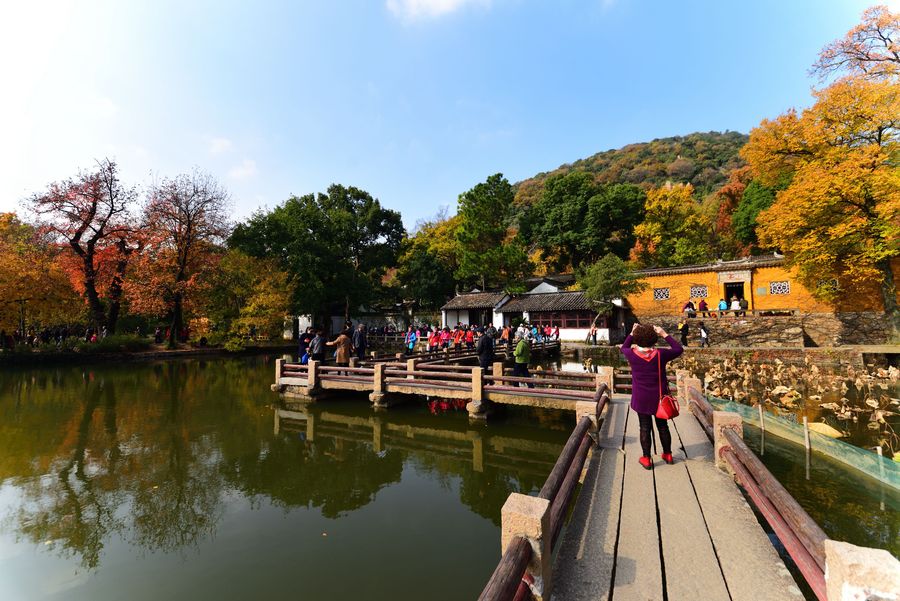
[{"x": 547, "y": 303}]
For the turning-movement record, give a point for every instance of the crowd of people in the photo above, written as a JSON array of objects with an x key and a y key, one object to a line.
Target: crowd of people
[
  {"x": 47, "y": 336},
  {"x": 738, "y": 307}
]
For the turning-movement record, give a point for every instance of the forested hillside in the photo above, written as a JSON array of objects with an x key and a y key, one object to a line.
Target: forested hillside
[{"x": 703, "y": 160}]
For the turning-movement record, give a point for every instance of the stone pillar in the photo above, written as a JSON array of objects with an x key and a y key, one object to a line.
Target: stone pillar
[
  {"x": 399, "y": 356},
  {"x": 589, "y": 409},
  {"x": 853, "y": 572},
  {"x": 377, "y": 394},
  {"x": 723, "y": 420},
  {"x": 312, "y": 381},
  {"x": 476, "y": 407},
  {"x": 279, "y": 366},
  {"x": 606, "y": 374},
  {"x": 410, "y": 366},
  {"x": 354, "y": 361},
  {"x": 680, "y": 376},
  {"x": 497, "y": 370},
  {"x": 529, "y": 517},
  {"x": 691, "y": 383}
]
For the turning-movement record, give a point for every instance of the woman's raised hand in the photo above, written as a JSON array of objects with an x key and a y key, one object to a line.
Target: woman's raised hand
[
  {"x": 660, "y": 332},
  {"x": 634, "y": 327}
]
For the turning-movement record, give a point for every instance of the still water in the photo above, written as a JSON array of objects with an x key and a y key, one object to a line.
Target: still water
[{"x": 185, "y": 480}]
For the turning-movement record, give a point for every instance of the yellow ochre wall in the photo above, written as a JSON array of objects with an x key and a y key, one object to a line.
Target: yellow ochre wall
[{"x": 866, "y": 298}]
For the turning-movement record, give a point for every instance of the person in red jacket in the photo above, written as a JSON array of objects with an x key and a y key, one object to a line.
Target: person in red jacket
[{"x": 648, "y": 383}]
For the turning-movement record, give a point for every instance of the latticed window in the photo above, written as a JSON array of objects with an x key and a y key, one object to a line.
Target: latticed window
[
  {"x": 699, "y": 291},
  {"x": 779, "y": 287},
  {"x": 660, "y": 294}
]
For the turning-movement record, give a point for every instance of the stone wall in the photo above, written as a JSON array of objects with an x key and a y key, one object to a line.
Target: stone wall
[
  {"x": 806, "y": 330},
  {"x": 749, "y": 332}
]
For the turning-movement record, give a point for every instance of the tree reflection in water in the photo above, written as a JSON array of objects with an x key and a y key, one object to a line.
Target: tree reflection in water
[{"x": 152, "y": 453}]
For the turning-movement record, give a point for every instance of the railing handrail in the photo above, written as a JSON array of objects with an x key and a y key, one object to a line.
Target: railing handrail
[
  {"x": 801, "y": 536},
  {"x": 508, "y": 578}
]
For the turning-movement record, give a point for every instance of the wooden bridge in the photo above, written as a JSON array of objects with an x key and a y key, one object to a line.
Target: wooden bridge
[{"x": 677, "y": 532}]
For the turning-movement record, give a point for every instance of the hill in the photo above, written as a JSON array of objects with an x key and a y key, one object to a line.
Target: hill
[{"x": 701, "y": 159}]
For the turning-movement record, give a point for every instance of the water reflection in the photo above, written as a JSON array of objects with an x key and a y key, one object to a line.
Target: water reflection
[{"x": 155, "y": 455}]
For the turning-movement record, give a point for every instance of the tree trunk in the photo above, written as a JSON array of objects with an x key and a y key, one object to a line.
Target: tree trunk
[
  {"x": 177, "y": 320},
  {"x": 889, "y": 296},
  {"x": 90, "y": 290}
]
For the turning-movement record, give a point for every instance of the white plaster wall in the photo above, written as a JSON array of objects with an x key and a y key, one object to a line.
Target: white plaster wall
[{"x": 580, "y": 334}]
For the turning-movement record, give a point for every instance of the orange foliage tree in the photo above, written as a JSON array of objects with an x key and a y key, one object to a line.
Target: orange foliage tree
[
  {"x": 92, "y": 217},
  {"x": 871, "y": 49},
  {"x": 839, "y": 218},
  {"x": 186, "y": 221}
]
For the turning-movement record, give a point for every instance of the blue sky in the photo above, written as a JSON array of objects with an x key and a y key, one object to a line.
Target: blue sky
[{"x": 413, "y": 100}]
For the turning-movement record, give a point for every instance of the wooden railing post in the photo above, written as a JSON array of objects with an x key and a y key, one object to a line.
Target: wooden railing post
[
  {"x": 853, "y": 572},
  {"x": 724, "y": 420},
  {"x": 529, "y": 517}
]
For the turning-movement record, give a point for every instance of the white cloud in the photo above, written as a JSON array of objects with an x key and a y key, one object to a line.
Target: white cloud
[
  {"x": 424, "y": 9},
  {"x": 245, "y": 170},
  {"x": 220, "y": 145}
]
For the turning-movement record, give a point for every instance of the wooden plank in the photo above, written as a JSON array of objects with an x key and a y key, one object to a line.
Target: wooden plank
[
  {"x": 584, "y": 564},
  {"x": 692, "y": 570},
  {"x": 638, "y": 574},
  {"x": 747, "y": 559}
]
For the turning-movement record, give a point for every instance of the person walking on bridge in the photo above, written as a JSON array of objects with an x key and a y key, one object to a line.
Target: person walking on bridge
[
  {"x": 649, "y": 383},
  {"x": 523, "y": 356},
  {"x": 485, "y": 349},
  {"x": 360, "y": 342}
]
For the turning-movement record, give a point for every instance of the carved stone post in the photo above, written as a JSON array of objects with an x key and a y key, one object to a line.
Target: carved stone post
[
  {"x": 724, "y": 420},
  {"x": 476, "y": 407},
  {"x": 312, "y": 381},
  {"x": 377, "y": 395},
  {"x": 853, "y": 572},
  {"x": 529, "y": 517},
  {"x": 411, "y": 366}
]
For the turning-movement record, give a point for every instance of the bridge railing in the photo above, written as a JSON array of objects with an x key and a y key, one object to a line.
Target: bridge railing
[
  {"x": 531, "y": 525},
  {"x": 803, "y": 539}
]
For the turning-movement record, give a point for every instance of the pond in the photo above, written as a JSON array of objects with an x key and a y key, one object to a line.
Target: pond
[{"x": 185, "y": 480}]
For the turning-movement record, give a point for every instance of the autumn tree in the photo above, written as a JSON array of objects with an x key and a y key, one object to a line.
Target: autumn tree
[
  {"x": 428, "y": 260},
  {"x": 35, "y": 287},
  {"x": 337, "y": 246},
  {"x": 491, "y": 254},
  {"x": 187, "y": 217},
  {"x": 673, "y": 232},
  {"x": 870, "y": 50},
  {"x": 839, "y": 218},
  {"x": 578, "y": 220},
  {"x": 92, "y": 214}
]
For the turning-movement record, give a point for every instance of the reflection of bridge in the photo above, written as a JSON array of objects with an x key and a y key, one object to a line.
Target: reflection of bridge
[{"x": 475, "y": 445}]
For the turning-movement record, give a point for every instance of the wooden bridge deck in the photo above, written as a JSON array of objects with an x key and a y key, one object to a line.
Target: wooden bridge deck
[{"x": 678, "y": 532}]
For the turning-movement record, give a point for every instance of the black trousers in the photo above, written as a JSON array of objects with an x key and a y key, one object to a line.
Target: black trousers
[
  {"x": 520, "y": 370},
  {"x": 662, "y": 426}
]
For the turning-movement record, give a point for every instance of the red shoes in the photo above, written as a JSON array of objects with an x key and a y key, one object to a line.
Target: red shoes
[
  {"x": 646, "y": 463},
  {"x": 667, "y": 457}
]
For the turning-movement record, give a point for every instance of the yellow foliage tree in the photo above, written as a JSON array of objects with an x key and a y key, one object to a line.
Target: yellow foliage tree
[
  {"x": 840, "y": 216},
  {"x": 674, "y": 231}
]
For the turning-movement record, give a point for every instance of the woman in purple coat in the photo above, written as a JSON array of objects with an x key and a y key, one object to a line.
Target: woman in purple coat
[{"x": 648, "y": 370}]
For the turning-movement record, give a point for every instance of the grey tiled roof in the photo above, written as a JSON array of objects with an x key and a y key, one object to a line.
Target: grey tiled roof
[
  {"x": 474, "y": 300},
  {"x": 739, "y": 264},
  {"x": 547, "y": 301}
]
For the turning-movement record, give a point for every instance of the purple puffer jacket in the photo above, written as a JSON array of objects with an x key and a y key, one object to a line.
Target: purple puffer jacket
[{"x": 646, "y": 374}]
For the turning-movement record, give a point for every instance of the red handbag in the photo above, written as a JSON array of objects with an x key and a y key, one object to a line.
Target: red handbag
[{"x": 668, "y": 405}]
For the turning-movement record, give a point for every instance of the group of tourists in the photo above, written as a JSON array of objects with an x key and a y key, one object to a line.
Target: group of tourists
[
  {"x": 684, "y": 330},
  {"x": 737, "y": 306},
  {"x": 349, "y": 342},
  {"x": 47, "y": 336}
]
